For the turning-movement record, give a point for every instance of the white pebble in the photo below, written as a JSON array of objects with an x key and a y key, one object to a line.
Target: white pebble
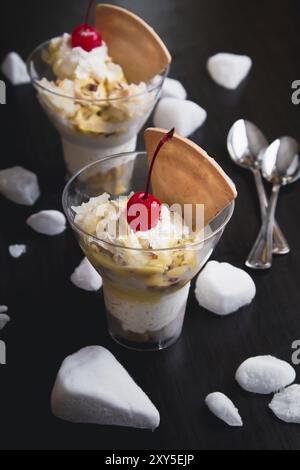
[
  {"x": 4, "y": 319},
  {"x": 222, "y": 407},
  {"x": 3, "y": 309},
  {"x": 229, "y": 70},
  {"x": 173, "y": 89},
  {"x": 223, "y": 289},
  {"x": 17, "y": 250},
  {"x": 19, "y": 185},
  {"x": 286, "y": 404},
  {"x": 14, "y": 69},
  {"x": 264, "y": 375},
  {"x": 185, "y": 116},
  {"x": 86, "y": 277},
  {"x": 93, "y": 387},
  {"x": 47, "y": 222}
]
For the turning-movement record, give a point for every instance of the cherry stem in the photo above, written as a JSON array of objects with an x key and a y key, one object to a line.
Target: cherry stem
[
  {"x": 162, "y": 142},
  {"x": 87, "y": 16}
]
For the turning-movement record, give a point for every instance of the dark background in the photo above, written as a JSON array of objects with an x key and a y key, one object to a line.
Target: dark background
[{"x": 51, "y": 318}]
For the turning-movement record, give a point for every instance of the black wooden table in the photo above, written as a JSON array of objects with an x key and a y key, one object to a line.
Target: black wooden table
[{"x": 51, "y": 318}]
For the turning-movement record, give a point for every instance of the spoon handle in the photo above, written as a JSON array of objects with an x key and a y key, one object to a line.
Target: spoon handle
[
  {"x": 261, "y": 254},
  {"x": 280, "y": 244}
]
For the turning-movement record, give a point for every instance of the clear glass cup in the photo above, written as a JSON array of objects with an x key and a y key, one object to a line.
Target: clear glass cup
[
  {"x": 145, "y": 291},
  {"x": 125, "y": 116}
]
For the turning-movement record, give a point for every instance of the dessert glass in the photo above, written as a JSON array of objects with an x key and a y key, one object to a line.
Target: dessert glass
[
  {"x": 146, "y": 293},
  {"x": 126, "y": 116}
]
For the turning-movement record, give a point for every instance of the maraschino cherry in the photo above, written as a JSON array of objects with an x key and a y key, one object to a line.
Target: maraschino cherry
[
  {"x": 150, "y": 203},
  {"x": 85, "y": 35}
]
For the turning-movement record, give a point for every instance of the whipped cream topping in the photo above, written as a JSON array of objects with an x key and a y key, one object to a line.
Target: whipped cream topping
[
  {"x": 101, "y": 98},
  {"x": 76, "y": 63},
  {"x": 106, "y": 219}
]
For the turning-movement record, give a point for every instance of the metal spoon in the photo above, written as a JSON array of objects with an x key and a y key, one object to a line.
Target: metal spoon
[
  {"x": 280, "y": 166},
  {"x": 245, "y": 141}
]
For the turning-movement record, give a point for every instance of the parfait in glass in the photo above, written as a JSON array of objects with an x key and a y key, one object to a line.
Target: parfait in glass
[
  {"x": 97, "y": 95},
  {"x": 146, "y": 270}
]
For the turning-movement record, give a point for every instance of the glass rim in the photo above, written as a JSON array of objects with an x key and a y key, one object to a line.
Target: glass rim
[
  {"x": 163, "y": 74},
  {"x": 77, "y": 228}
]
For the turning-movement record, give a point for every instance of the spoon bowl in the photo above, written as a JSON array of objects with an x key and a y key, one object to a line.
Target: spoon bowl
[
  {"x": 280, "y": 166},
  {"x": 280, "y": 161},
  {"x": 246, "y": 144}
]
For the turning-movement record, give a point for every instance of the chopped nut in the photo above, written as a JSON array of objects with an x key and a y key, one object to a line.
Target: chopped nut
[{"x": 92, "y": 87}]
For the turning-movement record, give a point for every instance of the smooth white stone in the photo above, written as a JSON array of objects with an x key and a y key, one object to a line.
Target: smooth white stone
[
  {"x": 86, "y": 277},
  {"x": 4, "y": 319},
  {"x": 286, "y": 404},
  {"x": 229, "y": 70},
  {"x": 173, "y": 89},
  {"x": 185, "y": 116},
  {"x": 223, "y": 289},
  {"x": 222, "y": 407},
  {"x": 264, "y": 375},
  {"x": 3, "y": 309},
  {"x": 47, "y": 222},
  {"x": 17, "y": 250},
  {"x": 93, "y": 387},
  {"x": 14, "y": 69},
  {"x": 19, "y": 185}
]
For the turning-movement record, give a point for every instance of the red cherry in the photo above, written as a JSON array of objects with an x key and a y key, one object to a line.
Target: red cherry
[
  {"x": 86, "y": 36},
  {"x": 143, "y": 212},
  {"x": 143, "y": 209}
]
